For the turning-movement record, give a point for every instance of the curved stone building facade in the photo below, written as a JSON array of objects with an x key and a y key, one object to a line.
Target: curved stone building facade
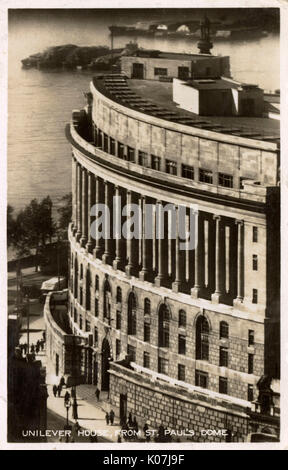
[{"x": 198, "y": 320}]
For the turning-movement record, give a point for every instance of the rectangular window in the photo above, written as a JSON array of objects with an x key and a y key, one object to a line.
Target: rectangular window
[
  {"x": 120, "y": 150},
  {"x": 160, "y": 71},
  {"x": 105, "y": 147},
  {"x": 96, "y": 307},
  {"x": 224, "y": 330},
  {"x": 87, "y": 325},
  {"x": 250, "y": 337},
  {"x": 131, "y": 155},
  {"x": 171, "y": 167},
  {"x": 163, "y": 365},
  {"x": 205, "y": 176},
  {"x": 112, "y": 146},
  {"x": 96, "y": 283},
  {"x": 250, "y": 363},
  {"x": 143, "y": 159},
  {"x": 118, "y": 320},
  {"x": 118, "y": 347},
  {"x": 223, "y": 385},
  {"x": 255, "y": 262},
  {"x": 250, "y": 393},
  {"x": 254, "y": 296},
  {"x": 182, "y": 319},
  {"x": 80, "y": 322},
  {"x": 75, "y": 315},
  {"x": 155, "y": 162},
  {"x": 146, "y": 332},
  {"x": 96, "y": 335},
  {"x": 146, "y": 360},
  {"x": 223, "y": 357},
  {"x": 181, "y": 344},
  {"x": 255, "y": 234},
  {"x": 131, "y": 351},
  {"x": 181, "y": 372},
  {"x": 225, "y": 180},
  {"x": 188, "y": 172},
  {"x": 201, "y": 379}
]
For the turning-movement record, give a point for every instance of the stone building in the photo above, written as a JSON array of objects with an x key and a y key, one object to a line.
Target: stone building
[{"x": 179, "y": 337}]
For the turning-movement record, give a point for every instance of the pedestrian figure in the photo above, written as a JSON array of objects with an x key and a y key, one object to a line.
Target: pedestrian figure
[
  {"x": 77, "y": 427},
  {"x": 107, "y": 417},
  {"x": 38, "y": 343},
  {"x": 37, "y": 349},
  {"x": 146, "y": 432},
  {"x": 112, "y": 415},
  {"x": 97, "y": 393},
  {"x": 59, "y": 390},
  {"x": 135, "y": 424},
  {"x": 32, "y": 349},
  {"x": 75, "y": 409},
  {"x": 62, "y": 382},
  {"x": 44, "y": 335},
  {"x": 42, "y": 344},
  {"x": 55, "y": 390},
  {"x": 25, "y": 348},
  {"x": 130, "y": 422},
  {"x": 66, "y": 397}
]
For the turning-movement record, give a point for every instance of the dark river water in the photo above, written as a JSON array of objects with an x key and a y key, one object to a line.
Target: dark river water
[{"x": 40, "y": 103}]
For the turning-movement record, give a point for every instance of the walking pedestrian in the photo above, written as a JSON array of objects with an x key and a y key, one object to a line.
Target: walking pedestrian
[
  {"x": 37, "y": 348},
  {"x": 59, "y": 390},
  {"x": 135, "y": 424},
  {"x": 55, "y": 390},
  {"x": 62, "y": 382},
  {"x": 107, "y": 417},
  {"x": 32, "y": 349},
  {"x": 44, "y": 335},
  {"x": 112, "y": 415},
  {"x": 146, "y": 432},
  {"x": 130, "y": 422},
  {"x": 25, "y": 348},
  {"x": 42, "y": 344},
  {"x": 97, "y": 393}
]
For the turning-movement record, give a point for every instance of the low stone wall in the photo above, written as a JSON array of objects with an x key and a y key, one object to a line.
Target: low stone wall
[{"x": 195, "y": 417}]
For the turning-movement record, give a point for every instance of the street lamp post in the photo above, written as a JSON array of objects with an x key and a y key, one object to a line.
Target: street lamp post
[{"x": 67, "y": 406}]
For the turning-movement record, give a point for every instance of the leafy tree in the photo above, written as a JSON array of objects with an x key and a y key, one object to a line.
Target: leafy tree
[
  {"x": 11, "y": 225},
  {"x": 33, "y": 227},
  {"x": 65, "y": 215}
]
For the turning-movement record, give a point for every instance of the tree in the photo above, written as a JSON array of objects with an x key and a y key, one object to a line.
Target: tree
[
  {"x": 33, "y": 227},
  {"x": 11, "y": 225},
  {"x": 65, "y": 215}
]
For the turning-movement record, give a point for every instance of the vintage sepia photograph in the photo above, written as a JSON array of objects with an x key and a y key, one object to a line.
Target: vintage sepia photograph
[{"x": 143, "y": 226}]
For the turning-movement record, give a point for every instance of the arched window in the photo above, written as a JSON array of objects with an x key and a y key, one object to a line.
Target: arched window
[
  {"x": 132, "y": 321},
  {"x": 164, "y": 319},
  {"x": 76, "y": 278},
  {"x": 96, "y": 283},
  {"x": 119, "y": 295},
  {"x": 202, "y": 338},
  {"x": 107, "y": 301},
  {"x": 224, "y": 329},
  {"x": 147, "y": 306},
  {"x": 182, "y": 319},
  {"x": 88, "y": 290}
]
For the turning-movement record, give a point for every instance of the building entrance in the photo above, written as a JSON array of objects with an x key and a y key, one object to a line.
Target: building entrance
[
  {"x": 138, "y": 71},
  {"x": 106, "y": 356},
  {"x": 123, "y": 407}
]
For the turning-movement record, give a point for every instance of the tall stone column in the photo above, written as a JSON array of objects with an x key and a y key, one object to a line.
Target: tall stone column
[
  {"x": 129, "y": 269},
  {"x": 83, "y": 239},
  {"x": 144, "y": 271},
  {"x": 79, "y": 202},
  {"x": 162, "y": 258},
  {"x": 98, "y": 248},
  {"x": 107, "y": 255},
  {"x": 240, "y": 261},
  {"x": 216, "y": 296},
  {"x": 91, "y": 203},
  {"x": 196, "y": 289},
  {"x": 177, "y": 282},
  {"x": 118, "y": 261}
]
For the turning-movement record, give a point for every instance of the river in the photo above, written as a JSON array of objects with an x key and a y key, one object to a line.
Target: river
[{"x": 40, "y": 102}]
